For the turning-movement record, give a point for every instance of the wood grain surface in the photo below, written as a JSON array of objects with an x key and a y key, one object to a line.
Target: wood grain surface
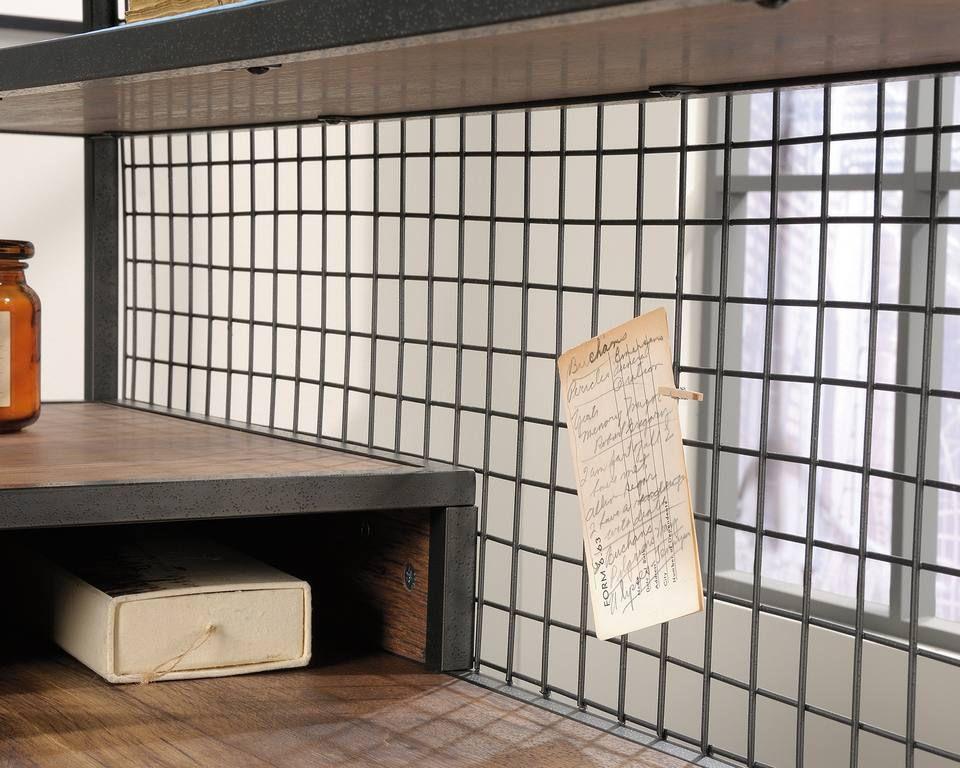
[
  {"x": 359, "y": 582},
  {"x": 617, "y": 50},
  {"x": 378, "y": 711},
  {"x": 86, "y": 443},
  {"x": 399, "y": 540}
]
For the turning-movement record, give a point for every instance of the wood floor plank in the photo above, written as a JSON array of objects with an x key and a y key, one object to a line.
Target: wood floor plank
[
  {"x": 379, "y": 712},
  {"x": 59, "y": 714}
]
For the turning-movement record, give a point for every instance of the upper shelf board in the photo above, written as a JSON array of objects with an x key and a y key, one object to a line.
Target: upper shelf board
[
  {"x": 364, "y": 58},
  {"x": 93, "y": 463}
]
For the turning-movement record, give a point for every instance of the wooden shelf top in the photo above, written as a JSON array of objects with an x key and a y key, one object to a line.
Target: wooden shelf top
[
  {"x": 371, "y": 712},
  {"x": 280, "y": 61},
  {"x": 91, "y": 463}
]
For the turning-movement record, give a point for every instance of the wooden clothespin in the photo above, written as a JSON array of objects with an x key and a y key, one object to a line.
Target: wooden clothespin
[{"x": 679, "y": 394}]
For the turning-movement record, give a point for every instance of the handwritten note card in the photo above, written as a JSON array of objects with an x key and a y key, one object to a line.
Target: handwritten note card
[{"x": 638, "y": 529}]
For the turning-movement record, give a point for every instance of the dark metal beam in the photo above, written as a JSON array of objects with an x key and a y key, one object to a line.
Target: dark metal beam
[
  {"x": 252, "y": 31},
  {"x": 101, "y": 267},
  {"x": 101, "y": 243},
  {"x": 113, "y": 503},
  {"x": 99, "y": 14},
  {"x": 453, "y": 560}
]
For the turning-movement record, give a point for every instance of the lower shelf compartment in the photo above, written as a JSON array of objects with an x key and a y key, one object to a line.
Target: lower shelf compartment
[
  {"x": 379, "y": 710},
  {"x": 399, "y": 581}
]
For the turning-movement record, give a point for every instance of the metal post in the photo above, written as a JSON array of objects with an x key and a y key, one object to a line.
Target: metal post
[
  {"x": 101, "y": 273},
  {"x": 453, "y": 559},
  {"x": 101, "y": 243},
  {"x": 99, "y": 14}
]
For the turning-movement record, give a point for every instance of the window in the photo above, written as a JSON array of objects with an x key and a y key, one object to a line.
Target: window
[{"x": 845, "y": 357}]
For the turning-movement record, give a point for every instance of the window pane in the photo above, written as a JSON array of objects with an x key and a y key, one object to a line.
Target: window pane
[
  {"x": 948, "y": 503},
  {"x": 837, "y": 503}
]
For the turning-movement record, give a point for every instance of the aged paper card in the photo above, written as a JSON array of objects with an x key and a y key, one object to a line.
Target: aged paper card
[{"x": 638, "y": 528}]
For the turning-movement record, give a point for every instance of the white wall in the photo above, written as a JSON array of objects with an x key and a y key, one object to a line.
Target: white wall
[
  {"x": 41, "y": 200},
  {"x": 67, "y": 10}
]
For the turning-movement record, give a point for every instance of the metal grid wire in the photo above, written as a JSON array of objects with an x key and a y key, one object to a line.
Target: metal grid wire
[{"x": 407, "y": 285}]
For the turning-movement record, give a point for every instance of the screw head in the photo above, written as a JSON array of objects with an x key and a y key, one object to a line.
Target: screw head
[{"x": 409, "y": 577}]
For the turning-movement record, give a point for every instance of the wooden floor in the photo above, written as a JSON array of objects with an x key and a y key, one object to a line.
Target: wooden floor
[{"x": 382, "y": 711}]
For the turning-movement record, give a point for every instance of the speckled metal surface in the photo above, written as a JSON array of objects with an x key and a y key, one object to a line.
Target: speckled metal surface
[
  {"x": 204, "y": 499},
  {"x": 453, "y": 550},
  {"x": 101, "y": 276}
]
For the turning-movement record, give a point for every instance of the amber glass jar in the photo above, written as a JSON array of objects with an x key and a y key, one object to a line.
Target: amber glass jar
[{"x": 19, "y": 340}]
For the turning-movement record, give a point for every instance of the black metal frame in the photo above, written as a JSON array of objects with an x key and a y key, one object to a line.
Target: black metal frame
[
  {"x": 101, "y": 275},
  {"x": 450, "y": 611},
  {"x": 219, "y": 36},
  {"x": 454, "y": 526},
  {"x": 429, "y": 281},
  {"x": 101, "y": 243},
  {"x": 238, "y": 34}
]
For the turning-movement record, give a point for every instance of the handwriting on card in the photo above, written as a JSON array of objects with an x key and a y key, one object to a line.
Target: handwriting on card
[{"x": 638, "y": 529}]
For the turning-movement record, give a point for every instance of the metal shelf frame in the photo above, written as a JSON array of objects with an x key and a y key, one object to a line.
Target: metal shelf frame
[
  {"x": 256, "y": 39},
  {"x": 279, "y": 62}
]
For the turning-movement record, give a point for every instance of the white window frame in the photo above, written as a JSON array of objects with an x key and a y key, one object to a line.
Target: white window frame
[{"x": 914, "y": 182}]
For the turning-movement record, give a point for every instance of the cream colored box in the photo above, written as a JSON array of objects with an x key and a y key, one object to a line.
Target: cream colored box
[{"x": 170, "y": 609}]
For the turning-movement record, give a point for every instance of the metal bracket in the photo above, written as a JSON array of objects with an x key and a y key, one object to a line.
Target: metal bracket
[
  {"x": 671, "y": 91},
  {"x": 409, "y": 577},
  {"x": 263, "y": 69}
]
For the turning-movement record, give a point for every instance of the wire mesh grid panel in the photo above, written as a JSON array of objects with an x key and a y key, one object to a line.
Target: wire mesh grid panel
[{"x": 407, "y": 285}]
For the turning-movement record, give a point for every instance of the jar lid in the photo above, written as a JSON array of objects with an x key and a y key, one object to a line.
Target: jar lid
[{"x": 18, "y": 249}]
